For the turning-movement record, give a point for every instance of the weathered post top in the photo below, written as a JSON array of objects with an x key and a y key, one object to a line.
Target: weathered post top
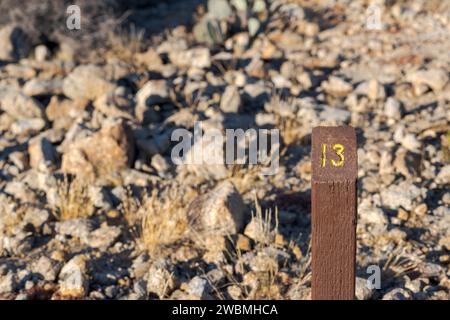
[
  {"x": 333, "y": 203},
  {"x": 334, "y": 154}
]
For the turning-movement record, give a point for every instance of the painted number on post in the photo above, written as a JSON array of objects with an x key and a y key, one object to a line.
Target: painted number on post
[{"x": 338, "y": 150}]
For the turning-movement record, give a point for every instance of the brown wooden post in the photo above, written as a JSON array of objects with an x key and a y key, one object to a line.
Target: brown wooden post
[{"x": 334, "y": 175}]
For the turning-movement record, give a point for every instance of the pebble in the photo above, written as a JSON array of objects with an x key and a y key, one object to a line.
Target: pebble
[
  {"x": 362, "y": 290},
  {"x": 397, "y": 294},
  {"x": 401, "y": 195},
  {"x": 73, "y": 281},
  {"x": 87, "y": 81},
  {"x": 103, "y": 237},
  {"x": 392, "y": 109},
  {"x": 231, "y": 100},
  {"x": 436, "y": 79},
  {"x": 337, "y": 87}
]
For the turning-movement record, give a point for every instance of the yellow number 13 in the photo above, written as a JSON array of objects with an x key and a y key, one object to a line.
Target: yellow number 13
[{"x": 339, "y": 150}]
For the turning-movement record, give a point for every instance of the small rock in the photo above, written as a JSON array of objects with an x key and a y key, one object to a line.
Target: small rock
[
  {"x": 372, "y": 89},
  {"x": 446, "y": 198},
  {"x": 116, "y": 105},
  {"x": 160, "y": 164},
  {"x": 401, "y": 195},
  {"x": 421, "y": 209},
  {"x": 100, "y": 198},
  {"x": 445, "y": 242},
  {"x": 436, "y": 79},
  {"x": 386, "y": 167},
  {"x": 18, "y": 105},
  {"x": 331, "y": 115},
  {"x": 14, "y": 43},
  {"x": 231, "y": 100},
  {"x": 38, "y": 87},
  {"x": 150, "y": 58},
  {"x": 402, "y": 214},
  {"x": 36, "y": 217},
  {"x": 140, "y": 266},
  {"x": 369, "y": 213},
  {"x": 28, "y": 126},
  {"x": 160, "y": 279},
  {"x": 46, "y": 268},
  {"x": 410, "y": 142},
  {"x": 337, "y": 87},
  {"x": 62, "y": 111},
  {"x": 87, "y": 81},
  {"x": 253, "y": 26},
  {"x": 196, "y": 58},
  {"x": 41, "y": 53},
  {"x": 430, "y": 270},
  {"x": 21, "y": 191},
  {"x": 153, "y": 92},
  {"x": 8, "y": 284},
  {"x": 362, "y": 290},
  {"x": 73, "y": 281},
  {"x": 243, "y": 243},
  {"x": 397, "y": 294},
  {"x": 219, "y": 9},
  {"x": 220, "y": 212},
  {"x": 43, "y": 156},
  {"x": 80, "y": 228},
  {"x": 198, "y": 288},
  {"x": 103, "y": 237},
  {"x": 444, "y": 175},
  {"x": 107, "y": 151},
  {"x": 392, "y": 109},
  {"x": 408, "y": 163}
]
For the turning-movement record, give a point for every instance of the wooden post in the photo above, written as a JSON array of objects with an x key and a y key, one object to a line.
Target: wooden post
[{"x": 333, "y": 203}]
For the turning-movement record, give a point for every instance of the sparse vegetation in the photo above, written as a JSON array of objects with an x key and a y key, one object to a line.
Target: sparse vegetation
[
  {"x": 73, "y": 199},
  {"x": 163, "y": 219}
]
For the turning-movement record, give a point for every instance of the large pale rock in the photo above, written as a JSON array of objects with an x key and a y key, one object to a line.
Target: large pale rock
[
  {"x": 107, "y": 151},
  {"x": 195, "y": 57},
  {"x": 401, "y": 195},
  {"x": 38, "y": 87},
  {"x": 220, "y": 212},
  {"x": 18, "y": 105},
  {"x": 87, "y": 81},
  {"x": 103, "y": 237},
  {"x": 73, "y": 280},
  {"x": 337, "y": 87},
  {"x": 14, "y": 43},
  {"x": 436, "y": 79}
]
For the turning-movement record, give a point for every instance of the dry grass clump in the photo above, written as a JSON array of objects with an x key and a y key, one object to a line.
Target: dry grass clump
[
  {"x": 267, "y": 228},
  {"x": 164, "y": 220},
  {"x": 73, "y": 200},
  {"x": 397, "y": 265},
  {"x": 270, "y": 283}
]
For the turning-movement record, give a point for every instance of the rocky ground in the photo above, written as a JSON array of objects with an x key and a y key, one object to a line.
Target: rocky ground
[{"x": 92, "y": 206}]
